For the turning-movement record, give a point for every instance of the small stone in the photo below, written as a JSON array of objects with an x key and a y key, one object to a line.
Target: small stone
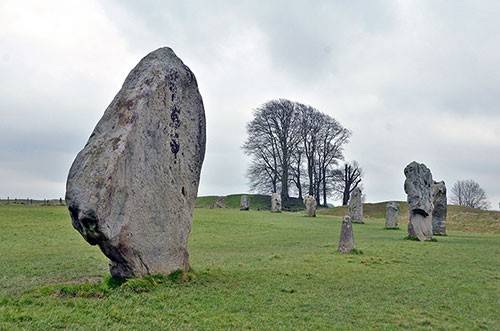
[
  {"x": 356, "y": 206},
  {"x": 275, "y": 203},
  {"x": 244, "y": 202},
  {"x": 418, "y": 187},
  {"x": 132, "y": 188},
  {"x": 440, "y": 208},
  {"x": 346, "y": 241},
  {"x": 392, "y": 215},
  {"x": 310, "y": 204}
]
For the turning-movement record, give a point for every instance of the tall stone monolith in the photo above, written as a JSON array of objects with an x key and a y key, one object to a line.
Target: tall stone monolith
[
  {"x": 356, "y": 206},
  {"x": 346, "y": 241},
  {"x": 418, "y": 187},
  {"x": 132, "y": 188},
  {"x": 392, "y": 215},
  {"x": 310, "y": 204},
  {"x": 440, "y": 208},
  {"x": 244, "y": 202},
  {"x": 275, "y": 203}
]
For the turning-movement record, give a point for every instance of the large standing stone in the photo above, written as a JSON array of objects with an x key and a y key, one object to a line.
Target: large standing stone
[
  {"x": 392, "y": 216},
  {"x": 132, "y": 188},
  {"x": 418, "y": 187},
  {"x": 275, "y": 203},
  {"x": 244, "y": 202},
  {"x": 346, "y": 241},
  {"x": 310, "y": 204},
  {"x": 440, "y": 208},
  {"x": 356, "y": 206}
]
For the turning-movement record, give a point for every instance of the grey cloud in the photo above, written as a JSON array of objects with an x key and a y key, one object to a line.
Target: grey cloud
[{"x": 398, "y": 74}]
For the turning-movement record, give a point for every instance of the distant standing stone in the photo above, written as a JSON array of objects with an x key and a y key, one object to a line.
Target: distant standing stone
[
  {"x": 132, "y": 188},
  {"x": 356, "y": 206},
  {"x": 392, "y": 215},
  {"x": 346, "y": 242},
  {"x": 440, "y": 208},
  {"x": 310, "y": 204},
  {"x": 244, "y": 202},
  {"x": 275, "y": 203},
  {"x": 418, "y": 187}
]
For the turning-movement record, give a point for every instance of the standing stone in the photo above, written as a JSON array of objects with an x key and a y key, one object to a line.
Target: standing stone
[
  {"x": 418, "y": 187},
  {"x": 346, "y": 242},
  {"x": 392, "y": 216},
  {"x": 244, "y": 202},
  {"x": 275, "y": 203},
  {"x": 310, "y": 204},
  {"x": 440, "y": 208},
  {"x": 132, "y": 188},
  {"x": 356, "y": 206}
]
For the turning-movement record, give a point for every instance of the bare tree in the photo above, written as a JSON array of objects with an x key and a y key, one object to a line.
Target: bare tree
[
  {"x": 468, "y": 193},
  {"x": 262, "y": 178},
  {"x": 272, "y": 140},
  {"x": 310, "y": 126},
  {"x": 322, "y": 140},
  {"x": 263, "y": 172},
  {"x": 330, "y": 149},
  {"x": 347, "y": 179},
  {"x": 296, "y": 170},
  {"x": 291, "y": 143}
]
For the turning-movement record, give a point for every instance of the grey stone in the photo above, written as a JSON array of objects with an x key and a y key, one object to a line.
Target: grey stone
[
  {"x": 440, "y": 208},
  {"x": 218, "y": 203},
  {"x": 310, "y": 204},
  {"x": 346, "y": 241},
  {"x": 132, "y": 188},
  {"x": 392, "y": 215},
  {"x": 275, "y": 203},
  {"x": 418, "y": 187},
  {"x": 356, "y": 206},
  {"x": 244, "y": 202}
]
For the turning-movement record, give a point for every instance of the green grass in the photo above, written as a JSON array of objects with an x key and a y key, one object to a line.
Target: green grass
[
  {"x": 257, "y": 201},
  {"x": 252, "y": 271},
  {"x": 206, "y": 201}
]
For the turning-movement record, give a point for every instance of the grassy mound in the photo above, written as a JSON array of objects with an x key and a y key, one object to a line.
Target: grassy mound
[
  {"x": 206, "y": 201},
  {"x": 257, "y": 202}
]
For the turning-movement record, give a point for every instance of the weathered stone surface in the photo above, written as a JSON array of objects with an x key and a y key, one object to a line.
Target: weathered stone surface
[
  {"x": 310, "y": 204},
  {"x": 440, "y": 208},
  {"x": 392, "y": 215},
  {"x": 275, "y": 203},
  {"x": 132, "y": 188},
  {"x": 418, "y": 187},
  {"x": 356, "y": 206},
  {"x": 346, "y": 241},
  {"x": 244, "y": 202}
]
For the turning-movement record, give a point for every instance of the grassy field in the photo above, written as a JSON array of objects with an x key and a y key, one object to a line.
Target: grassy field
[
  {"x": 459, "y": 218},
  {"x": 252, "y": 271}
]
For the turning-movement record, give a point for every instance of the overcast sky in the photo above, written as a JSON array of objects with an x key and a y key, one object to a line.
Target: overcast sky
[{"x": 412, "y": 80}]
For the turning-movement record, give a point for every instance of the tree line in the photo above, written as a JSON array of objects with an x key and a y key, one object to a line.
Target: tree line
[{"x": 295, "y": 147}]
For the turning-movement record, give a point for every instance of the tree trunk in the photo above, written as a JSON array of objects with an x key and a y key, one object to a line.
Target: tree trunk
[
  {"x": 310, "y": 172},
  {"x": 324, "y": 191},
  {"x": 284, "y": 185},
  {"x": 346, "y": 195},
  {"x": 299, "y": 188}
]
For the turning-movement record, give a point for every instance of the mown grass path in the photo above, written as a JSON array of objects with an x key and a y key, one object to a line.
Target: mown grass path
[{"x": 254, "y": 271}]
